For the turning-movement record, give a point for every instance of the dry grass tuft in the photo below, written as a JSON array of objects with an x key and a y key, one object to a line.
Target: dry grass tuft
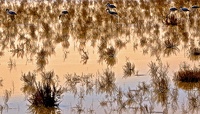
[
  {"x": 129, "y": 69},
  {"x": 45, "y": 94},
  {"x": 171, "y": 20},
  {"x": 195, "y": 51},
  {"x": 188, "y": 75}
]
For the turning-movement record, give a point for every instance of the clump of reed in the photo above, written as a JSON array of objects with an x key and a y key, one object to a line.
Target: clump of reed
[
  {"x": 170, "y": 44},
  {"x": 187, "y": 74},
  {"x": 29, "y": 80},
  {"x": 120, "y": 44},
  {"x": 171, "y": 20},
  {"x": 84, "y": 57},
  {"x": 108, "y": 54},
  {"x": 106, "y": 83},
  {"x": 42, "y": 59},
  {"x": 160, "y": 81},
  {"x": 6, "y": 96},
  {"x": 195, "y": 51},
  {"x": 193, "y": 101},
  {"x": 170, "y": 47},
  {"x": 46, "y": 94},
  {"x": 129, "y": 69}
]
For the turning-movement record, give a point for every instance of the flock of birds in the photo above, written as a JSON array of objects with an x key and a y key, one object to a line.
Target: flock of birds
[
  {"x": 110, "y": 11},
  {"x": 64, "y": 12},
  {"x": 183, "y": 9}
]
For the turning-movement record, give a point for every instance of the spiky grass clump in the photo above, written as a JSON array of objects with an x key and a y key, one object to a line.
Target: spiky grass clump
[
  {"x": 106, "y": 83},
  {"x": 46, "y": 95},
  {"x": 159, "y": 77},
  {"x": 170, "y": 44},
  {"x": 195, "y": 51},
  {"x": 129, "y": 69},
  {"x": 171, "y": 20},
  {"x": 189, "y": 75}
]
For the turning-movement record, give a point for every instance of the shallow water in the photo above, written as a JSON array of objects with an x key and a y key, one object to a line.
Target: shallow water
[{"x": 87, "y": 43}]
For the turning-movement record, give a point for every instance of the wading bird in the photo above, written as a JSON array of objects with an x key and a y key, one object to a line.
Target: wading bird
[
  {"x": 64, "y": 12},
  {"x": 9, "y": 12},
  {"x": 110, "y": 5},
  {"x": 111, "y": 12},
  {"x": 173, "y": 9},
  {"x": 184, "y": 9},
  {"x": 195, "y": 7}
]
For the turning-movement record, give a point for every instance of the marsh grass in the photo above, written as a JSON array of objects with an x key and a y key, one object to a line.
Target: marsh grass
[
  {"x": 84, "y": 56},
  {"x": 40, "y": 22},
  {"x": 11, "y": 64},
  {"x": 106, "y": 82},
  {"x": 160, "y": 81},
  {"x": 139, "y": 21},
  {"x": 6, "y": 97},
  {"x": 171, "y": 20},
  {"x": 46, "y": 94},
  {"x": 170, "y": 47},
  {"x": 1, "y": 82},
  {"x": 129, "y": 69},
  {"x": 187, "y": 75},
  {"x": 42, "y": 59},
  {"x": 194, "y": 52},
  {"x": 29, "y": 80},
  {"x": 170, "y": 44},
  {"x": 43, "y": 110},
  {"x": 193, "y": 101}
]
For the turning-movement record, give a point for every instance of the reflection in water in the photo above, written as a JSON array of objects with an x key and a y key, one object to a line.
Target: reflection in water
[
  {"x": 42, "y": 96},
  {"x": 11, "y": 64},
  {"x": 29, "y": 80},
  {"x": 129, "y": 69},
  {"x": 37, "y": 31},
  {"x": 106, "y": 82},
  {"x": 43, "y": 110},
  {"x": 160, "y": 82}
]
